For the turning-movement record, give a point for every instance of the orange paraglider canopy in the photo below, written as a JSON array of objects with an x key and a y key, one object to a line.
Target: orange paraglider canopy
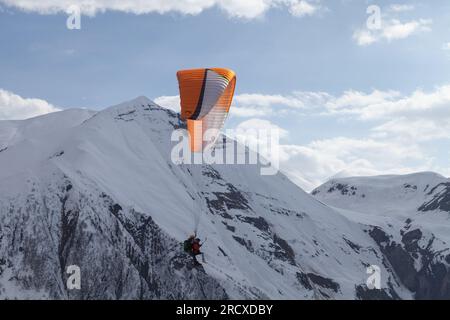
[{"x": 206, "y": 96}]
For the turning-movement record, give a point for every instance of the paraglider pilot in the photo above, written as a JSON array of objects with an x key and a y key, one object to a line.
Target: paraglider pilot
[
  {"x": 192, "y": 246},
  {"x": 196, "y": 251}
]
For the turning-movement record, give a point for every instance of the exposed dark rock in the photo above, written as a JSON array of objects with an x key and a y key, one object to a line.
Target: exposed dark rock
[
  {"x": 223, "y": 252},
  {"x": 246, "y": 243},
  {"x": 231, "y": 228},
  {"x": 115, "y": 208},
  {"x": 68, "y": 225},
  {"x": 345, "y": 189},
  {"x": 323, "y": 282},
  {"x": 440, "y": 201},
  {"x": 379, "y": 235},
  {"x": 58, "y": 154},
  {"x": 400, "y": 260},
  {"x": 258, "y": 222},
  {"x": 364, "y": 293},
  {"x": 283, "y": 250},
  {"x": 304, "y": 281},
  {"x": 122, "y": 115},
  {"x": 212, "y": 173},
  {"x": 432, "y": 281},
  {"x": 410, "y": 239},
  {"x": 231, "y": 199},
  {"x": 287, "y": 212},
  {"x": 123, "y": 254},
  {"x": 353, "y": 245}
]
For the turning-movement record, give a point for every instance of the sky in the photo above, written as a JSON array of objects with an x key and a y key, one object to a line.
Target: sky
[{"x": 351, "y": 94}]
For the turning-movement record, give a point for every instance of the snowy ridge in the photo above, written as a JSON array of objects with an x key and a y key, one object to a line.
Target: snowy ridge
[
  {"x": 101, "y": 192},
  {"x": 409, "y": 217}
]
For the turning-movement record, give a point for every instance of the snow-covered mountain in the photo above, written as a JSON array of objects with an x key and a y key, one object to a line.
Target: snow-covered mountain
[
  {"x": 99, "y": 190},
  {"x": 409, "y": 218}
]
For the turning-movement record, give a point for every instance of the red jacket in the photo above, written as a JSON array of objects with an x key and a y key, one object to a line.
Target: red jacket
[{"x": 196, "y": 247}]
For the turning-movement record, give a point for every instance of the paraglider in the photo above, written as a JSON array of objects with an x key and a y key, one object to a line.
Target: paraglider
[{"x": 205, "y": 96}]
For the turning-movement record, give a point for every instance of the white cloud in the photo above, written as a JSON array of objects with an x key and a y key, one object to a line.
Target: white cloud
[
  {"x": 311, "y": 164},
  {"x": 446, "y": 46},
  {"x": 257, "y": 105},
  {"x": 14, "y": 107},
  {"x": 256, "y": 124},
  {"x": 397, "y": 30},
  {"x": 380, "y": 152},
  {"x": 417, "y": 130},
  {"x": 247, "y": 9},
  {"x": 314, "y": 163},
  {"x": 303, "y": 8},
  {"x": 352, "y": 101},
  {"x": 384, "y": 104},
  {"x": 390, "y": 30},
  {"x": 252, "y": 111},
  {"x": 400, "y": 132},
  {"x": 255, "y": 99},
  {"x": 374, "y": 105},
  {"x": 364, "y": 37},
  {"x": 322, "y": 159},
  {"x": 401, "y": 7}
]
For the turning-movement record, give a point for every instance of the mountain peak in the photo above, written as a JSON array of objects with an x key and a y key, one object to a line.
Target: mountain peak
[
  {"x": 138, "y": 101},
  {"x": 382, "y": 194},
  {"x": 141, "y": 109},
  {"x": 390, "y": 179},
  {"x": 142, "y": 100},
  {"x": 104, "y": 191}
]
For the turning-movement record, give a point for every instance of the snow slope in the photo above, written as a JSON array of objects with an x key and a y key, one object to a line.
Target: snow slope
[
  {"x": 410, "y": 220},
  {"x": 100, "y": 191}
]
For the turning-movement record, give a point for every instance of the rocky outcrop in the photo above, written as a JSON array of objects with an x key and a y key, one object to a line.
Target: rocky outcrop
[
  {"x": 440, "y": 200},
  {"x": 421, "y": 269},
  {"x": 121, "y": 253}
]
